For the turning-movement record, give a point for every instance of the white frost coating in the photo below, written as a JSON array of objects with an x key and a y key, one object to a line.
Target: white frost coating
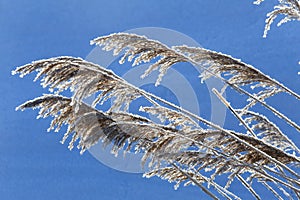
[
  {"x": 289, "y": 8},
  {"x": 269, "y": 132},
  {"x": 257, "y": 2},
  {"x": 187, "y": 148},
  {"x": 140, "y": 49}
]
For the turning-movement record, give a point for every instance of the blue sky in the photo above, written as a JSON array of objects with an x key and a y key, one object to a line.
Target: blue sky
[{"x": 34, "y": 165}]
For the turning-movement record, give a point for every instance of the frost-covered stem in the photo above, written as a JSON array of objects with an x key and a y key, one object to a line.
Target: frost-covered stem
[
  {"x": 262, "y": 172},
  {"x": 297, "y": 194},
  {"x": 225, "y": 131},
  {"x": 276, "y": 180},
  {"x": 119, "y": 80},
  {"x": 263, "y": 153},
  {"x": 276, "y": 112},
  {"x": 287, "y": 139},
  {"x": 289, "y": 182},
  {"x": 219, "y": 188},
  {"x": 227, "y": 104},
  {"x": 248, "y": 165},
  {"x": 241, "y": 90},
  {"x": 283, "y": 175},
  {"x": 272, "y": 190},
  {"x": 252, "y": 167},
  {"x": 196, "y": 183},
  {"x": 185, "y": 58},
  {"x": 147, "y": 95},
  {"x": 248, "y": 187},
  {"x": 288, "y": 90},
  {"x": 287, "y": 194}
]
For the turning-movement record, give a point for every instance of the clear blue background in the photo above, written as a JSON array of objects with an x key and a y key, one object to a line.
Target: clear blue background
[{"x": 34, "y": 165}]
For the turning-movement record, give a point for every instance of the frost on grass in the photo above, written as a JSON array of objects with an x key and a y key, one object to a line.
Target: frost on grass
[
  {"x": 140, "y": 49},
  {"x": 290, "y": 9},
  {"x": 179, "y": 148}
]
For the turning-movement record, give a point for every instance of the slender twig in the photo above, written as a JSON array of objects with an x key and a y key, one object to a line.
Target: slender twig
[
  {"x": 219, "y": 188},
  {"x": 276, "y": 112},
  {"x": 272, "y": 190},
  {"x": 248, "y": 187},
  {"x": 227, "y": 104}
]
